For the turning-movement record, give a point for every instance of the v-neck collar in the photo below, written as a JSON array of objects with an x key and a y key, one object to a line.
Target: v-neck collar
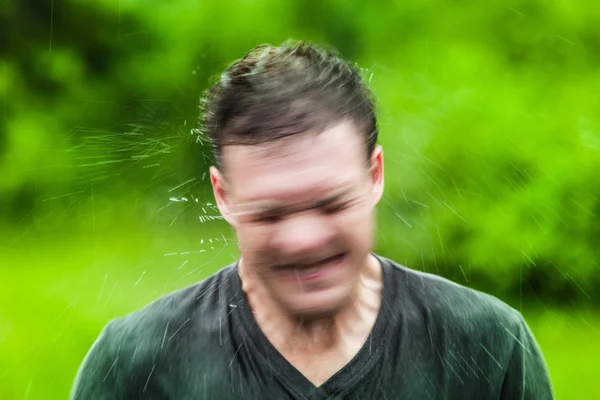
[{"x": 344, "y": 380}]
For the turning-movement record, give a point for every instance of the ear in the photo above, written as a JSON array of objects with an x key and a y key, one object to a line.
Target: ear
[
  {"x": 376, "y": 174},
  {"x": 222, "y": 195}
]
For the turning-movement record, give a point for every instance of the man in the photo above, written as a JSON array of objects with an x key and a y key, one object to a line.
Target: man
[{"x": 309, "y": 311}]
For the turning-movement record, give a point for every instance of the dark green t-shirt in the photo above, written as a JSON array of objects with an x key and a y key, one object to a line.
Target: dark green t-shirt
[{"x": 433, "y": 339}]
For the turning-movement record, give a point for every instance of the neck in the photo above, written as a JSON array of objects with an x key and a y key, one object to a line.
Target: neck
[{"x": 294, "y": 333}]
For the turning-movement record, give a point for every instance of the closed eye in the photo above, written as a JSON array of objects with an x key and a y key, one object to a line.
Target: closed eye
[
  {"x": 335, "y": 208},
  {"x": 267, "y": 218}
]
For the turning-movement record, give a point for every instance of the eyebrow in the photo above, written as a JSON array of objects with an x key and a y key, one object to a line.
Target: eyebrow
[{"x": 274, "y": 207}]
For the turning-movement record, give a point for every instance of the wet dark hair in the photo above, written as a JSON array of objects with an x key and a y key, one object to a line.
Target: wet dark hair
[{"x": 274, "y": 92}]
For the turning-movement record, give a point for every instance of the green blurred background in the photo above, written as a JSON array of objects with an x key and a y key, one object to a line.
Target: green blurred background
[{"x": 489, "y": 118}]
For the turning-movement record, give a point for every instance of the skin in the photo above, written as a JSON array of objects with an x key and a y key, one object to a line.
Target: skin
[{"x": 295, "y": 203}]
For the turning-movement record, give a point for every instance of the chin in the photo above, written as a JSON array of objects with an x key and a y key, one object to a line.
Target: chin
[
  {"x": 322, "y": 295},
  {"x": 317, "y": 306}
]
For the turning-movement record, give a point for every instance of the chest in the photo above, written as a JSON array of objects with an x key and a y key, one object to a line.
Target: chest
[
  {"x": 319, "y": 367},
  {"x": 407, "y": 376}
]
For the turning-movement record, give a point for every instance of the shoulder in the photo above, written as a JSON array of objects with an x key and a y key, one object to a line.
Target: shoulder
[
  {"x": 160, "y": 319},
  {"x": 474, "y": 335},
  {"x": 452, "y": 305},
  {"x": 129, "y": 347}
]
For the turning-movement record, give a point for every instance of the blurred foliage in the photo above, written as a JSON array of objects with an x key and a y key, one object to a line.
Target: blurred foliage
[{"x": 488, "y": 117}]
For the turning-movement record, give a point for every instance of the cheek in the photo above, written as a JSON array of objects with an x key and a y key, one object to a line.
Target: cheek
[
  {"x": 358, "y": 216},
  {"x": 252, "y": 239},
  {"x": 357, "y": 229},
  {"x": 244, "y": 236}
]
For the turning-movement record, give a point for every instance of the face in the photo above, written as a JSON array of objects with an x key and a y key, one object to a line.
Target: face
[{"x": 303, "y": 211}]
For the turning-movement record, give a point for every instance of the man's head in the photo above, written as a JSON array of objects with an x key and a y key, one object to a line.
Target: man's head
[{"x": 298, "y": 172}]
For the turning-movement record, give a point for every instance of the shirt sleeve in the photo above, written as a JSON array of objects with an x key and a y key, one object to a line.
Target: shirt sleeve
[
  {"x": 99, "y": 377},
  {"x": 527, "y": 376}
]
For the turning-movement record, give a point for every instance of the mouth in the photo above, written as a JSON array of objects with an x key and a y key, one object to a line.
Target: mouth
[{"x": 315, "y": 271}]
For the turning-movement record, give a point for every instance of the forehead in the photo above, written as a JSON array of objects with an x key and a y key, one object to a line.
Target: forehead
[{"x": 297, "y": 168}]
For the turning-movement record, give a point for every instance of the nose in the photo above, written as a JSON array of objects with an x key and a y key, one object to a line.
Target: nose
[{"x": 303, "y": 233}]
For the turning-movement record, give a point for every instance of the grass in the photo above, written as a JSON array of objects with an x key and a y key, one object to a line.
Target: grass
[{"x": 56, "y": 294}]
